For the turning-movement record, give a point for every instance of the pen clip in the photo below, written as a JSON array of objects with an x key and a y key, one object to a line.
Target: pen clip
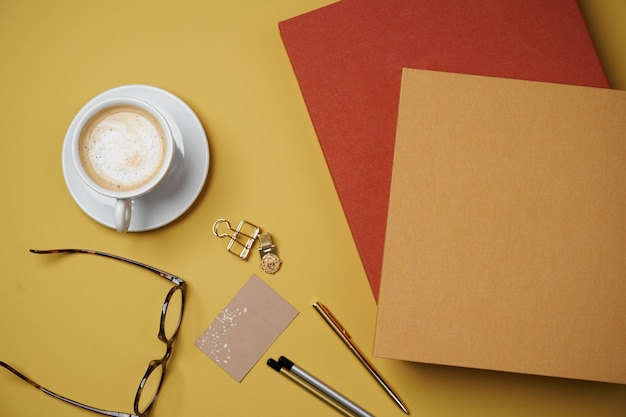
[{"x": 333, "y": 322}]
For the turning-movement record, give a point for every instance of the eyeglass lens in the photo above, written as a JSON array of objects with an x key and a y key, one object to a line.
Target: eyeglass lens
[
  {"x": 173, "y": 313},
  {"x": 151, "y": 386},
  {"x": 171, "y": 317}
]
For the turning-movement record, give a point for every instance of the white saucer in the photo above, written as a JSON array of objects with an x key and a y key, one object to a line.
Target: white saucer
[{"x": 182, "y": 185}]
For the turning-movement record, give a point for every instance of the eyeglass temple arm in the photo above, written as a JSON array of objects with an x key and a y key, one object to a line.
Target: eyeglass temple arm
[
  {"x": 170, "y": 277},
  {"x": 62, "y": 398}
]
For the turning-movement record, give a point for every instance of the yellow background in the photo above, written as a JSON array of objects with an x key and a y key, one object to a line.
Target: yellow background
[{"x": 86, "y": 327}]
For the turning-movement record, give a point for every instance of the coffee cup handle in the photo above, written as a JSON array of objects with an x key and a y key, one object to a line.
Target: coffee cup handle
[{"x": 123, "y": 210}]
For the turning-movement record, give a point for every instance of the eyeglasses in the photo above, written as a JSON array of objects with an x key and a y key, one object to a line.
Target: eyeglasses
[{"x": 169, "y": 324}]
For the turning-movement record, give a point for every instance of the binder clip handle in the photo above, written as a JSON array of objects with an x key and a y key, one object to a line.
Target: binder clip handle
[{"x": 217, "y": 225}]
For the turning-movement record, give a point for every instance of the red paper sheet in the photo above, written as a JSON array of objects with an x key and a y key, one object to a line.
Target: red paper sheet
[{"x": 348, "y": 59}]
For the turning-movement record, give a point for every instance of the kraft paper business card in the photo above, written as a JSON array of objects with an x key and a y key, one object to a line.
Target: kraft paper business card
[{"x": 246, "y": 328}]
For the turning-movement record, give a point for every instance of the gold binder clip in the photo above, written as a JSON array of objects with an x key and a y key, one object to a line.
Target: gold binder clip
[{"x": 242, "y": 238}]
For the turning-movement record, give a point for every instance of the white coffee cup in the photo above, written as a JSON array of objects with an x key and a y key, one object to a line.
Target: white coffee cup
[{"x": 122, "y": 148}]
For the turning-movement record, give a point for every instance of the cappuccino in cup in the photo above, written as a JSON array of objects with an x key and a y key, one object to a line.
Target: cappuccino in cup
[{"x": 122, "y": 148}]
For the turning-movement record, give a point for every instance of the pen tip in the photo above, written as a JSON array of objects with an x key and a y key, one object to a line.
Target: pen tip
[
  {"x": 285, "y": 362},
  {"x": 274, "y": 365}
]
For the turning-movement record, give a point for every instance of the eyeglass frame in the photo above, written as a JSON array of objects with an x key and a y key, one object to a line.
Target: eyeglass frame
[{"x": 180, "y": 285}]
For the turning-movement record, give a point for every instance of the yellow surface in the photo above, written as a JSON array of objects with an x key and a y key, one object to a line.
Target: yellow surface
[
  {"x": 606, "y": 21},
  {"x": 86, "y": 327}
]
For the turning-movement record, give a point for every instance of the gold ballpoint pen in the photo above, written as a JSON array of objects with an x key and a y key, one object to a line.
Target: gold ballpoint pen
[{"x": 347, "y": 339}]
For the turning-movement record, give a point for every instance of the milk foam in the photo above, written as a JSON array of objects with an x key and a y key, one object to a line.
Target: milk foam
[{"x": 123, "y": 149}]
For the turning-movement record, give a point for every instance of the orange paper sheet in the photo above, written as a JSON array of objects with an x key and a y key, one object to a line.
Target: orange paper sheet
[{"x": 506, "y": 234}]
